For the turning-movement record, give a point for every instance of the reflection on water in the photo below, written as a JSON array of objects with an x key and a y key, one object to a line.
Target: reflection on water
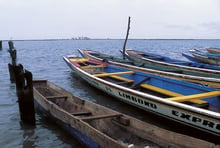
[{"x": 44, "y": 60}]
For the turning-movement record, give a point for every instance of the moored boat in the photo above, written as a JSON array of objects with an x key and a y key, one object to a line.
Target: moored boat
[
  {"x": 213, "y": 50},
  {"x": 206, "y": 57},
  {"x": 187, "y": 103},
  {"x": 162, "y": 62},
  {"x": 97, "y": 126},
  {"x": 93, "y": 55}
]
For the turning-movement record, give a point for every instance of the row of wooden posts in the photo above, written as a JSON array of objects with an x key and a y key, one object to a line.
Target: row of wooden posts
[
  {"x": 10, "y": 44},
  {"x": 24, "y": 87}
]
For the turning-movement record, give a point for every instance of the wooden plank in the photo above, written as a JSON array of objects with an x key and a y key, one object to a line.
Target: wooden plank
[
  {"x": 78, "y": 60},
  {"x": 114, "y": 73},
  {"x": 121, "y": 78},
  {"x": 57, "y": 97},
  {"x": 160, "y": 90},
  {"x": 92, "y": 66},
  {"x": 81, "y": 113},
  {"x": 195, "y": 96},
  {"x": 170, "y": 93},
  {"x": 100, "y": 117}
]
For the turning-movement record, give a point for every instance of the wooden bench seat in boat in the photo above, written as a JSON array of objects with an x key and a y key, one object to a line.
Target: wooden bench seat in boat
[
  {"x": 78, "y": 60},
  {"x": 150, "y": 87},
  {"x": 56, "y": 97},
  {"x": 160, "y": 90},
  {"x": 100, "y": 117},
  {"x": 195, "y": 96},
  {"x": 81, "y": 113},
  {"x": 92, "y": 66},
  {"x": 114, "y": 73},
  {"x": 170, "y": 93},
  {"x": 116, "y": 76}
]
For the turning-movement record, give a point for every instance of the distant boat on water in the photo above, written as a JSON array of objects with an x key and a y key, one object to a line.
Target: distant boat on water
[
  {"x": 213, "y": 50},
  {"x": 160, "y": 62},
  {"x": 206, "y": 57}
]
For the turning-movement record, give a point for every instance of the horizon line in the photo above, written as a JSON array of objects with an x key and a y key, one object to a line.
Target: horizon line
[{"x": 108, "y": 39}]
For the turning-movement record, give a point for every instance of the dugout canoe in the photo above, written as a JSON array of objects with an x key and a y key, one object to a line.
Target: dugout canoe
[
  {"x": 162, "y": 62},
  {"x": 187, "y": 103},
  {"x": 206, "y": 57},
  {"x": 213, "y": 50},
  {"x": 97, "y": 126},
  {"x": 97, "y": 56}
]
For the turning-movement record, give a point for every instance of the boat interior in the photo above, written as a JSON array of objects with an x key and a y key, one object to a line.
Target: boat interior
[
  {"x": 122, "y": 78},
  {"x": 104, "y": 120}
]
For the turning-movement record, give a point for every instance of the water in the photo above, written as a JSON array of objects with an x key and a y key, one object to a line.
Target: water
[{"x": 44, "y": 60}]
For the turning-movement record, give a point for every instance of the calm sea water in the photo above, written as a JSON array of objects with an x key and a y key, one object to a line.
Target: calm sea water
[{"x": 44, "y": 60}]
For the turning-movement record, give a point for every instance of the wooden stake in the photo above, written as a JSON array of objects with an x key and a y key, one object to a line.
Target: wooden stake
[
  {"x": 11, "y": 45},
  {"x": 24, "y": 89},
  {"x": 126, "y": 37},
  {"x": 0, "y": 45}
]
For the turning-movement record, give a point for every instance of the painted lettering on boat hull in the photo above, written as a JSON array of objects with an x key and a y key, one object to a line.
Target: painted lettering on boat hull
[{"x": 196, "y": 120}]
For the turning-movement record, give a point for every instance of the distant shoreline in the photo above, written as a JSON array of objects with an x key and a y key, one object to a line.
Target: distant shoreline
[{"x": 97, "y": 39}]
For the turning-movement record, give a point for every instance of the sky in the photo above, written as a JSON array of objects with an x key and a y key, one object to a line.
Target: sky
[{"x": 150, "y": 19}]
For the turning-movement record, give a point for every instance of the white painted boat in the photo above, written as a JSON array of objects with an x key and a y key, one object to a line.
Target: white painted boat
[{"x": 179, "y": 101}]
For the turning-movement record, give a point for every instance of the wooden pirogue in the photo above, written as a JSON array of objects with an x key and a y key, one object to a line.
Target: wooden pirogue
[
  {"x": 176, "y": 74},
  {"x": 160, "y": 62},
  {"x": 206, "y": 57},
  {"x": 97, "y": 126},
  {"x": 213, "y": 50},
  {"x": 187, "y": 103}
]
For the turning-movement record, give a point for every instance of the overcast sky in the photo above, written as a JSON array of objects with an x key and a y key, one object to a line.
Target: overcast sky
[{"x": 163, "y": 19}]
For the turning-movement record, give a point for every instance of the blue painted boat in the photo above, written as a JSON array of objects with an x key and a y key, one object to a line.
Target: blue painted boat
[
  {"x": 190, "y": 57},
  {"x": 162, "y": 62},
  {"x": 187, "y": 103},
  {"x": 97, "y": 56},
  {"x": 206, "y": 57}
]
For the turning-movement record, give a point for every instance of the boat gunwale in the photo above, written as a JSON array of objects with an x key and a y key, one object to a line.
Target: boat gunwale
[{"x": 153, "y": 98}]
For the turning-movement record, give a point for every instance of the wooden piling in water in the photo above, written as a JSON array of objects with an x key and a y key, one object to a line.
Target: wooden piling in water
[
  {"x": 0, "y": 45},
  {"x": 11, "y": 45},
  {"x": 24, "y": 89},
  {"x": 11, "y": 72},
  {"x": 13, "y": 54}
]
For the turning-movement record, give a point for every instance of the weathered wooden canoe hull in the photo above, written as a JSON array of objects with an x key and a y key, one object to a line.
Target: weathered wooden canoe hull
[
  {"x": 50, "y": 110},
  {"x": 161, "y": 65},
  {"x": 74, "y": 132},
  {"x": 196, "y": 117},
  {"x": 212, "y": 82},
  {"x": 92, "y": 138}
]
